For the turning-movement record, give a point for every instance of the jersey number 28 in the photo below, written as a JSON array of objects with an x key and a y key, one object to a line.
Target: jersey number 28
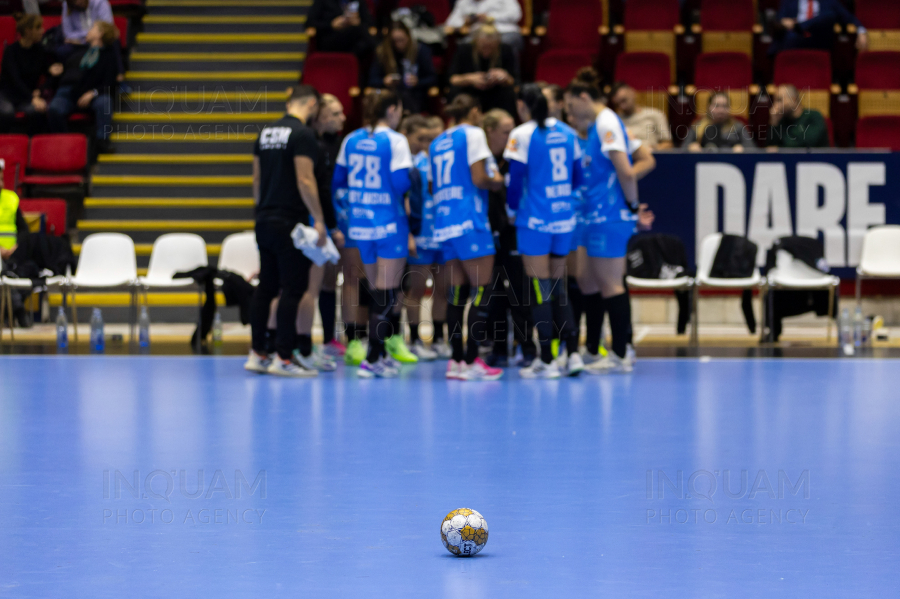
[{"x": 372, "y": 165}]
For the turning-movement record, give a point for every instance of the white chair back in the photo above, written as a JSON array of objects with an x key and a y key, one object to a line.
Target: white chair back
[
  {"x": 708, "y": 248},
  {"x": 790, "y": 268},
  {"x": 881, "y": 252},
  {"x": 175, "y": 252},
  {"x": 240, "y": 254},
  {"x": 106, "y": 260}
]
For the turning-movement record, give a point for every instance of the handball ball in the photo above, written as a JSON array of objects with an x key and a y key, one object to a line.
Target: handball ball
[{"x": 464, "y": 532}]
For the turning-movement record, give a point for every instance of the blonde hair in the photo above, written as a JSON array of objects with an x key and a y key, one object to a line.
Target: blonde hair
[
  {"x": 492, "y": 118},
  {"x": 487, "y": 31},
  {"x": 108, "y": 32}
]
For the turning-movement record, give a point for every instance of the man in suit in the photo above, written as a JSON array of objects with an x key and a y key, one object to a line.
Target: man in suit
[{"x": 809, "y": 24}]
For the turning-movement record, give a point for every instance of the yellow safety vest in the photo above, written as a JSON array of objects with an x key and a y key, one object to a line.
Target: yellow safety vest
[{"x": 9, "y": 204}]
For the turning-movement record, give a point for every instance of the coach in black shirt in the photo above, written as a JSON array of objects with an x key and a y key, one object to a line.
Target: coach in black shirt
[{"x": 284, "y": 188}]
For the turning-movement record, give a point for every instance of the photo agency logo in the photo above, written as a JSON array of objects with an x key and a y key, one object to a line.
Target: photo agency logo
[
  {"x": 711, "y": 497},
  {"x": 183, "y": 497}
]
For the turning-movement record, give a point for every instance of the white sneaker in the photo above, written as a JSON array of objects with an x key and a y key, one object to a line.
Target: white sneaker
[
  {"x": 379, "y": 369},
  {"x": 317, "y": 360},
  {"x": 423, "y": 353},
  {"x": 391, "y": 362},
  {"x": 575, "y": 365},
  {"x": 290, "y": 369},
  {"x": 479, "y": 371},
  {"x": 455, "y": 370},
  {"x": 443, "y": 350},
  {"x": 613, "y": 364},
  {"x": 257, "y": 363},
  {"x": 539, "y": 370}
]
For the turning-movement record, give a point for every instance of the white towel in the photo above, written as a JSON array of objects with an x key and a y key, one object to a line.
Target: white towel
[{"x": 305, "y": 239}]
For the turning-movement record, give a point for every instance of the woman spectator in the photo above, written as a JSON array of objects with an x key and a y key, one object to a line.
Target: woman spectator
[
  {"x": 24, "y": 63},
  {"x": 87, "y": 83},
  {"x": 404, "y": 65},
  {"x": 718, "y": 130},
  {"x": 486, "y": 69},
  {"x": 503, "y": 14}
]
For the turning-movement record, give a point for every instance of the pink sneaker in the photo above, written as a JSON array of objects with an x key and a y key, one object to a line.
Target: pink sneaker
[
  {"x": 456, "y": 370},
  {"x": 335, "y": 348},
  {"x": 479, "y": 371}
]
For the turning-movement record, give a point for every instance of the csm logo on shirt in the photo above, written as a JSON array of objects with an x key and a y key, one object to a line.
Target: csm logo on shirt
[{"x": 274, "y": 138}]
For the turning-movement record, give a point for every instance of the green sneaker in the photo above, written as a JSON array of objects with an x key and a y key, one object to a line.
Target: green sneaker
[
  {"x": 396, "y": 346},
  {"x": 355, "y": 354},
  {"x": 554, "y": 348}
]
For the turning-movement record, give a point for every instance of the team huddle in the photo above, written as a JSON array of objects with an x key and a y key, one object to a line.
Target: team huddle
[{"x": 413, "y": 204}]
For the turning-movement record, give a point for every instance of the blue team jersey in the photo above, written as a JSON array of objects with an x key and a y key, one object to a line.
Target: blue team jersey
[
  {"x": 370, "y": 177},
  {"x": 549, "y": 161},
  {"x": 425, "y": 239},
  {"x": 460, "y": 207},
  {"x": 604, "y": 198},
  {"x": 578, "y": 201}
]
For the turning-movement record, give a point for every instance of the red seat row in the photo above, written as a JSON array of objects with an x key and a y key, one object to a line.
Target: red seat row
[{"x": 47, "y": 160}]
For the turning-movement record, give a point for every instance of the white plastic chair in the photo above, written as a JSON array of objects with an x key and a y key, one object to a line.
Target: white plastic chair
[
  {"x": 708, "y": 249},
  {"x": 880, "y": 258},
  {"x": 172, "y": 253},
  {"x": 107, "y": 262},
  {"x": 676, "y": 284},
  {"x": 791, "y": 273},
  {"x": 7, "y": 284},
  {"x": 240, "y": 254}
]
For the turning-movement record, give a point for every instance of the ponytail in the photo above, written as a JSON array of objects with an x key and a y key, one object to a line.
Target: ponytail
[
  {"x": 586, "y": 81},
  {"x": 534, "y": 99}
]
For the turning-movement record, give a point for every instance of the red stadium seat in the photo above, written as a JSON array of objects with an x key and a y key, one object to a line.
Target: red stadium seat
[
  {"x": 8, "y": 33},
  {"x": 810, "y": 72},
  {"x": 560, "y": 66},
  {"x": 51, "y": 21},
  {"x": 14, "y": 150},
  {"x": 650, "y": 76},
  {"x": 121, "y": 24},
  {"x": 731, "y": 72},
  {"x": 335, "y": 73},
  {"x": 882, "y": 20},
  {"x": 878, "y": 83},
  {"x": 878, "y": 132},
  {"x": 57, "y": 159},
  {"x": 574, "y": 25},
  {"x": 53, "y": 209},
  {"x": 727, "y": 26},
  {"x": 651, "y": 26}
]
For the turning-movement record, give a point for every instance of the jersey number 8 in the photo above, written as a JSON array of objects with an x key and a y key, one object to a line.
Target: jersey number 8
[
  {"x": 560, "y": 168},
  {"x": 373, "y": 171}
]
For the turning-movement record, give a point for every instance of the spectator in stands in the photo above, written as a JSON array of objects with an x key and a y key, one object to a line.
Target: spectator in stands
[
  {"x": 810, "y": 24},
  {"x": 792, "y": 126},
  {"x": 718, "y": 130},
  {"x": 342, "y": 26},
  {"x": 404, "y": 65},
  {"x": 87, "y": 83},
  {"x": 78, "y": 17},
  {"x": 648, "y": 124},
  {"x": 24, "y": 63},
  {"x": 502, "y": 14},
  {"x": 487, "y": 70}
]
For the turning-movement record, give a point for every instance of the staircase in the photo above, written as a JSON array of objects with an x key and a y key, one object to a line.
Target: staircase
[{"x": 206, "y": 75}]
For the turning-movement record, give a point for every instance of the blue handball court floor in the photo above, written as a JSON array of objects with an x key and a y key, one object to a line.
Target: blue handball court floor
[{"x": 187, "y": 477}]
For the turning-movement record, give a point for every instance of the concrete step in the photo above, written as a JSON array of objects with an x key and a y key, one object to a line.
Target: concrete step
[
  {"x": 169, "y": 143},
  {"x": 210, "y": 99},
  {"x": 224, "y": 24},
  {"x": 175, "y": 164},
  {"x": 228, "y": 7},
  {"x": 167, "y": 61},
  {"x": 146, "y": 231},
  {"x": 240, "y": 81}
]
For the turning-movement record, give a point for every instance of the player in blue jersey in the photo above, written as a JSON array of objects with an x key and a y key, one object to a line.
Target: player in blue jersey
[
  {"x": 611, "y": 208},
  {"x": 373, "y": 166},
  {"x": 425, "y": 259},
  {"x": 462, "y": 170},
  {"x": 544, "y": 169}
]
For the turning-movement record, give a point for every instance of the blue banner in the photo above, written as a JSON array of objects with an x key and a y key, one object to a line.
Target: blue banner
[{"x": 832, "y": 196}]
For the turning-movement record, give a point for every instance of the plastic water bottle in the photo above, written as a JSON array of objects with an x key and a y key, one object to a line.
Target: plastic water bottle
[
  {"x": 844, "y": 333},
  {"x": 144, "y": 328},
  {"x": 217, "y": 330},
  {"x": 858, "y": 327},
  {"x": 98, "y": 342},
  {"x": 867, "y": 332},
  {"x": 62, "y": 330}
]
